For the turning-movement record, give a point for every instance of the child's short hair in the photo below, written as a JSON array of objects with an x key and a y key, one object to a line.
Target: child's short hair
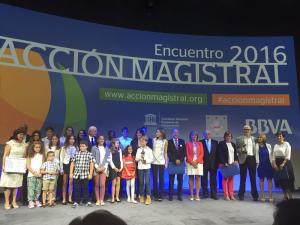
[
  {"x": 145, "y": 138},
  {"x": 49, "y": 153},
  {"x": 83, "y": 142}
]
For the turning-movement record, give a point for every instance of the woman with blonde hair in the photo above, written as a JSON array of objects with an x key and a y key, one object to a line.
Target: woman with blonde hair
[{"x": 264, "y": 169}]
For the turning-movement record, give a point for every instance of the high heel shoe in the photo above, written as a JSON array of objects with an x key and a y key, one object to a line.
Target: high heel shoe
[
  {"x": 7, "y": 207},
  {"x": 15, "y": 206}
]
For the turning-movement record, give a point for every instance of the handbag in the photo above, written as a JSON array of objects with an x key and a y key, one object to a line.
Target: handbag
[{"x": 230, "y": 170}]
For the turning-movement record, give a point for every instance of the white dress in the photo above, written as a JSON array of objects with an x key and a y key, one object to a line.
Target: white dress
[
  {"x": 13, "y": 180},
  {"x": 192, "y": 170}
]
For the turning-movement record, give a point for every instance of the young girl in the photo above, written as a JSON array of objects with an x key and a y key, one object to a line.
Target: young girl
[
  {"x": 116, "y": 166},
  {"x": 66, "y": 154},
  {"x": 160, "y": 162},
  {"x": 101, "y": 156},
  {"x": 54, "y": 146},
  {"x": 128, "y": 173},
  {"x": 35, "y": 159}
]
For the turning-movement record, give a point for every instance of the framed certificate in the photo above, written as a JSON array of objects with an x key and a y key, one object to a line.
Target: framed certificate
[{"x": 15, "y": 165}]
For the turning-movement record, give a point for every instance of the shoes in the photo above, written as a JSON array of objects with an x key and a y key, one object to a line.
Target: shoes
[
  {"x": 97, "y": 204},
  {"x": 102, "y": 203},
  {"x": 232, "y": 198},
  {"x": 75, "y": 205},
  {"x": 133, "y": 201},
  {"x": 88, "y": 204},
  {"x": 148, "y": 200},
  {"x": 179, "y": 197},
  {"x": 118, "y": 200},
  {"x": 197, "y": 198},
  {"x": 38, "y": 204},
  {"x": 31, "y": 205},
  {"x": 241, "y": 198},
  {"x": 15, "y": 206},
  {"x": 192, "y": 198},
  {"x": 142, "y": 199},
  {"x": 226, "y": 198},
  {"x": 170, "y": 197},
  {"x": 214, "y": 197},
  {"x": 64, "y": 203},
  {"x": 255, "y": 199},
  {"x": 128, "y": 200}
]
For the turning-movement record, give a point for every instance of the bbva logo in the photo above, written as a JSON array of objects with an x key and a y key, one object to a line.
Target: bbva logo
[{"x": 269, "y": 125}]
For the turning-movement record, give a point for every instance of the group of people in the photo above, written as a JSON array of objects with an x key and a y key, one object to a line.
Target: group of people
[{"x": 55, "y": 164}]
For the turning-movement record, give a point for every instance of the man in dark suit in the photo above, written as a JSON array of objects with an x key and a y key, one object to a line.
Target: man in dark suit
[
  {"x": 176, "y": 155},
  {"x": 92, "y": 137},
  {"x": 210, "y": 165}
]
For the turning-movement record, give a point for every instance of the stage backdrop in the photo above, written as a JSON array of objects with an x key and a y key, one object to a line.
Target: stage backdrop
[{"x": 60, "y": 72}]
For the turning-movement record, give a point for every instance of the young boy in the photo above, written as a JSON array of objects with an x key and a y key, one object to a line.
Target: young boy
[
  {"x": 81, "y": 171},
  {"x": 49, "y": 170},
  {"x": 144, "y": 157}
]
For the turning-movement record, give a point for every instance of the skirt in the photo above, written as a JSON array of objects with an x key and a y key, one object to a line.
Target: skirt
[
  {"x": 113, "y": 174},
  {"x": 11, "y": 180},
  {"x": 195, "y": 171},
  {"x": 66, "y": 168},
  {"x": 285, "y": 177}
]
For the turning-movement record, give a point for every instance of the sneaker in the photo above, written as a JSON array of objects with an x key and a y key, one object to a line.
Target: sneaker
[
  {"x": 88, "y": 204},
  {"x": 38, "y": 204},
  {"x": 31, "y": 205},
  {"x": 134, "y": 201},
  {"x": 75, "y": 205}
]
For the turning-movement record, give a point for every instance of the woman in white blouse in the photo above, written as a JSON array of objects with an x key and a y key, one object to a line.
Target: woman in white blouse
[
  {"x": 227, "y": 155},
  {"x": 281, "y": 160},
  {"x": 160, "y": 146}
]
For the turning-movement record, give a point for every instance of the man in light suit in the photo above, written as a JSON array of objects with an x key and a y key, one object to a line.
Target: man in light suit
[
  {"x": 210, "y": 165},
  {"x": 248, "y": 160}
]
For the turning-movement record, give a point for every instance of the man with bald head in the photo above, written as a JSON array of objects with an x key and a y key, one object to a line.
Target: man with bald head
[{"x": 210, "y": 165}]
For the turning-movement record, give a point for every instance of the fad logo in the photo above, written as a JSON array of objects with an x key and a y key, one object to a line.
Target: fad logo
[{"x": 268, "y": 125}]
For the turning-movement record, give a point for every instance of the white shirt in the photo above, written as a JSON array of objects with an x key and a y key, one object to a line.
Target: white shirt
[
  {"x": 230, "y": 153},
  {"x": 102, "y": 151},
  {"x": 46, "y": 141},
  {"x": 62, "y": 140},
  {"x": 249, "y": 145},
  {"x": 35, "y": 163},
  {"x": 159, "y": 151},
  {"x": 67, "y": 154},
  {"x": 148, "y": 157},
  {"x": 282, "y": 150},
  {"x": 124, "y": 142}
]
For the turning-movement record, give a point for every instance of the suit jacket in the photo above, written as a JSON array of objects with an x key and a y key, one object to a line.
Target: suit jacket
[
  {"x": 210, "y": 159},
  {"x": 173, "y": 153},
  {"x": 96, "y": 155},
  {"x": 242, "y": 154},
  {"x": 89, "y": 143},
  {"x": 190, "y": 152},
  {"x": 223, "y": 155}
]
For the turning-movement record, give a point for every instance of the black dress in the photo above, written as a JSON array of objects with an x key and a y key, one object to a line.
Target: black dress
[{"x": 117, "y": 162}]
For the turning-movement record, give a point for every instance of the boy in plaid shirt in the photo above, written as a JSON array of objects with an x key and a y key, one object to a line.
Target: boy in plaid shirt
[
  {"x": 50, "y": 169},
  {"x": 81, "y": 171}
]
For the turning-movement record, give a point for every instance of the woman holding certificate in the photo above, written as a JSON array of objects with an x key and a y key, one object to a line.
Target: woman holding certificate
[
  {"x": 228, "y": 158},
  {"x": 9, "y": 180}
]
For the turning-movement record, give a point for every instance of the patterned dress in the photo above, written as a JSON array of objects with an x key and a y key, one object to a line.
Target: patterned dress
[{"x": 13, "y": 180}]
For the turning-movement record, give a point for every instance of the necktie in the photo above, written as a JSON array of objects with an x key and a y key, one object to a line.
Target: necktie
[
  {"x": 208, "y": 145},
  {"x": 92, "y": 141},
  {"x": 176, "y": 143}
]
